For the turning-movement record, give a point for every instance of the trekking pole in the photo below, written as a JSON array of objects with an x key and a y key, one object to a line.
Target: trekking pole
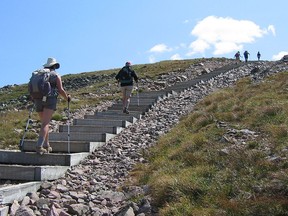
[
  {"x": 21, "y": 145},
  {"x": 68, "y": 129},
  {"x": 137, "y": 94}
]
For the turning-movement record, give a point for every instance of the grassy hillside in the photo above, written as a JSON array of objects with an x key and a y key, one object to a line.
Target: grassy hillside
[{"x": 228, "y": 157}]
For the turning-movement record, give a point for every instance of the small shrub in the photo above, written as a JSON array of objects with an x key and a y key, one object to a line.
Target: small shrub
[
  {"x": 57, "y": 117},
  {"x": 252, "y": 145},
  {"x": 281, "y": 132},
  {"x": 203, "y": 121},
  {"x": 271, "y": 110},
  {"x": 163, "y": 190},
  {"x": 199, "y": 140},
  {"x": 212, "y": 107}
]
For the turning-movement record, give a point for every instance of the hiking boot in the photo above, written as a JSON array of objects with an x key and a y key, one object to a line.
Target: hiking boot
[
  {"x": 40, "y": 150},
  {"x": 48, "y": 148},
  {"x": 126, "y": 111}
]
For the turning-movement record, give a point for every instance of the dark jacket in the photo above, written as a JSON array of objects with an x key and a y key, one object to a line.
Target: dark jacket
[{"x": 126, "y": 75}]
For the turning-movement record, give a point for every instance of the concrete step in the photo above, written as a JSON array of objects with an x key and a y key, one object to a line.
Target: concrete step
[
  {"x": 4, "y": 210},
  {"x": 112, "y": 109},
  {"x": 181, "y": 86},
  {"x": 31, "y": 158},
  {"x": 144, "y": 100},
  {"x": 129, "y": 118},
  {"x": 143, "y": 108},
  {"x": 141, "y": 102},
  {"x": 155, "y": 94},
  {"x": 78, "y": 136},
  {"x": 110, "y": 113},
  {"x": 31, "y": 173},
  {"x": 62, "y": 146},
  {"x": 102, "y": 122},
  {"x": 90, "y": 129},
  {"x": 17, "y": 192}
]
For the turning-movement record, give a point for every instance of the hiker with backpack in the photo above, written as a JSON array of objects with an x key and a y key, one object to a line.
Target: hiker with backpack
[
  {"x": 45, "y": 85},
  {"x": 125, "y": 77},
  {"x": 237, "y": 56},
  {"x": 246, "y": 54}
]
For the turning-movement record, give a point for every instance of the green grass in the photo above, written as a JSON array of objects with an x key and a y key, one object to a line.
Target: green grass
[
  {"x": 188, "y": 176},
  {"x": 17, "y": 91},
  {"x": 9, "y": 123}
]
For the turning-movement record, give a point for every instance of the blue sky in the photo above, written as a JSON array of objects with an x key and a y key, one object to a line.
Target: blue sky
[{"x": 91, "y": 35}]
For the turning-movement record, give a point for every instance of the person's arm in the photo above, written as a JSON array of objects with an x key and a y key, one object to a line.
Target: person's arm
[
  {"x": 134, "y": 75},
  {"x": 61, "y": 90},
  {"x": 117, "y": 77}
]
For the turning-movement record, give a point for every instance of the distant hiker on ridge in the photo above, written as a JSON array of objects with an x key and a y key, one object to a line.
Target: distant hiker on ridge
[
  {"x": 125, "y": 76},
  {"x": 258, "y": 56},
  {"x": 46, "y": 105},
  {"x": 237, "y": 56},
  {"x": 246, "y": 54}
]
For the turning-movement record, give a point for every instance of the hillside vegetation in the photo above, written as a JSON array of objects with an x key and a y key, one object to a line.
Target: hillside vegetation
[{"x": 228, "y": 157}]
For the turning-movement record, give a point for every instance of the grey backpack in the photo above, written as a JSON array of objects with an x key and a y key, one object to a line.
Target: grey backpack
[{"x": 39, "y": 85}]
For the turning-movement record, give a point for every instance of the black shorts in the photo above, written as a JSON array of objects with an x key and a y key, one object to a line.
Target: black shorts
[{"x": 50, "y": 103}]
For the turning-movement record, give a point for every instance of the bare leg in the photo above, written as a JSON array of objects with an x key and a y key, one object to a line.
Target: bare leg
[
  {"x": 124, "y": 100},
  {"x": 45, "y": 118},
  {"x": 126, "y": 92}
]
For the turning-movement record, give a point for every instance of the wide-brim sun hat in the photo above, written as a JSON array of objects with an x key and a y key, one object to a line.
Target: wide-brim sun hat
[{"x": 51, "y": 62}]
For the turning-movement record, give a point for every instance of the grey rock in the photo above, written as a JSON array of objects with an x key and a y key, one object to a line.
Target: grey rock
[
  {"x": 14, "y": 207},
  {"x": 24, "y": 211},
  {"x": 78, "y": 209}
]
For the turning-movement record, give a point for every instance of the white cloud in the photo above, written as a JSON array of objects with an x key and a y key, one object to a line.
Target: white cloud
[
  {"x": 271, "y": 28},
  {"x": 226, "y": 47},
  {"x": 198, "y": 46},
  {"x": 160, "y": 48},
  {"x": 279, "y": 55},
  {"x": 176, "y": 57},
  {"x": 224, "y": 35}
]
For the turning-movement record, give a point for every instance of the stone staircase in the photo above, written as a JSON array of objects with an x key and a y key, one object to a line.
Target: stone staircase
[{"x": 86, "y": 135}]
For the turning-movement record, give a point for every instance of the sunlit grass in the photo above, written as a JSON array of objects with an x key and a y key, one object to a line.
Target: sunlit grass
[{"x": 12, "y": 126}]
